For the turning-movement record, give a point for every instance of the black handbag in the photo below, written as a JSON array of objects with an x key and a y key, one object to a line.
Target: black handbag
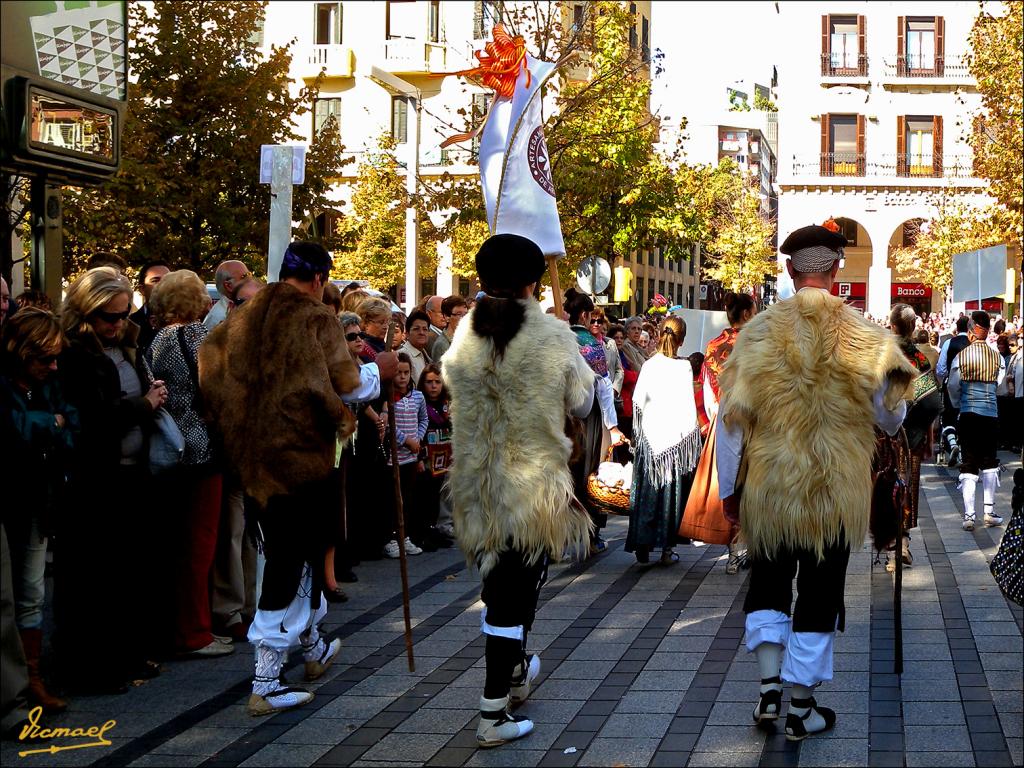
[{"x": 1008, "y": 565}]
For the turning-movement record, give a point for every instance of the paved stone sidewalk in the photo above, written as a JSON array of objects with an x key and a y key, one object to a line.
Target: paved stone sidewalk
[{"x": 642, "y": 666}]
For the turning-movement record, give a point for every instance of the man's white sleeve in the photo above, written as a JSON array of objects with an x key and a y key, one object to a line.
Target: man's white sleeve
[
  {"x": 940, "y": 366},
  {"x": 728, "y": 449},
  {"x": 606, "y": 398},
  {"x": 369, "y": 385},
  {"x": 953, "y": 384},
  {"x": 889, "y": 421}
]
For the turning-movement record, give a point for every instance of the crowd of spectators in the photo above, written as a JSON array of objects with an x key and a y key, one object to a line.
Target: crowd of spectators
[{"x": 87, "y": 387}]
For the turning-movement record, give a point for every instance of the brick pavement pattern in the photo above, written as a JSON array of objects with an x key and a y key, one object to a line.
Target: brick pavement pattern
[{"x": 641, "y": 666}]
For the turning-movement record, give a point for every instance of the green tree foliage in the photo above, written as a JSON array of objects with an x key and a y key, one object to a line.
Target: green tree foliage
[
  {"x": 740, "y": 253},
  {"x": 615, "y": 194},
  {"x": 204, "y": 99},
  {"x": 957, "y": 228},
  {"x": 997, "y": 63},
  {"x": 375, "y": 228}
]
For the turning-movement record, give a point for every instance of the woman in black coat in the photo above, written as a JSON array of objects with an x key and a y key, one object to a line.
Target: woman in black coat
[{"x": 105, "y": 536}]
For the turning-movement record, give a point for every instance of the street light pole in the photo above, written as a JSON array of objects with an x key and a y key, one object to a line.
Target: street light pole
[{"x": 396, "y": 86}]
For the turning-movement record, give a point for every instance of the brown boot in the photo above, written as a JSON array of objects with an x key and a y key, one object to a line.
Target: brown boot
[{"x": 32, "y": 642}]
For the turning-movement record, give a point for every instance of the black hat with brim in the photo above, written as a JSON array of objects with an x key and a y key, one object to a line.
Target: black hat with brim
[
  {"x": 509, "y": 262},
  {"x": 814, "y": 248}
]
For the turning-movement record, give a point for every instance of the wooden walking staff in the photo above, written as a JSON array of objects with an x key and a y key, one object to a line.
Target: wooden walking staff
[
  {"x": 386, "y": 391},
  {"x": 556, "y": 291}
]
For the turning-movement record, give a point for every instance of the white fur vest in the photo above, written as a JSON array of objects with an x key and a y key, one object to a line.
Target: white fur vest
[
  {"x": 800, "y": 383},
  {"x": 510, "y": 480}
]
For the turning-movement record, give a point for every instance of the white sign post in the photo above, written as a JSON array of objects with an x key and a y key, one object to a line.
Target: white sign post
[
  {"x": 281, "y": 166},
  {"x": 979, "y": 273}
]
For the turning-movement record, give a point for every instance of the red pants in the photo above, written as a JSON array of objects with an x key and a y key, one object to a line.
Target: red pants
[{"x": 198, "y": 510}]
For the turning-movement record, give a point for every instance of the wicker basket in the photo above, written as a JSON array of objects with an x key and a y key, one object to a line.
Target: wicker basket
[{"x": 611, "y": 499}]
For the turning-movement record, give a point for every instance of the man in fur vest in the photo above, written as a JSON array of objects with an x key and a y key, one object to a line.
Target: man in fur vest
[
  {"x": 275, "y": 376},
  {"x": 805, "y": 385},
  {"x": 974, "y": 374},
  {"x": 513, "y": 373}
]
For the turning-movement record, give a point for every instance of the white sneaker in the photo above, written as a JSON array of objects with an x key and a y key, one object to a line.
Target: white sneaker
[
  {"x": 968, "y": 523},
  {"x": 497, "y": 725},
  {"x": 391, "y": 549},
  {"x": 523, "y": 680},
  {"x": 991, "y": 521},
  {"x": 410, "y": 548},
  {"x": 277, "y": 701},
  {"x": 316, "y": 666}
]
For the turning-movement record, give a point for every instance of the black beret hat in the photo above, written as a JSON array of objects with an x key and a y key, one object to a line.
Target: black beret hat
[
  {"x": 509, "y": 262},
  {"x": 807, "y": 246}
]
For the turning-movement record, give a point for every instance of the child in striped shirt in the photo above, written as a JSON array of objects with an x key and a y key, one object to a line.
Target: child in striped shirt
[{"x": 409, "y": 411}]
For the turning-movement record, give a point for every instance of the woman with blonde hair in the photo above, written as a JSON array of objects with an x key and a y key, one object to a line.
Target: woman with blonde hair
[
  {"x": 368, "y": 460},
  {"x": 192, "y": 490},
  {"x": 375, "y": 313},
  {"x": 667, "y": 444},
  {"x": 38, "y": 431},
  {"x": 106, "y": 541}
]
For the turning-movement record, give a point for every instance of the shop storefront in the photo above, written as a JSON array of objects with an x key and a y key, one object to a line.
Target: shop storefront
[
  {"x": 917, "y": 295},
  {"x": 993, "y": 305},
  {"x": 855, "y": 294}
]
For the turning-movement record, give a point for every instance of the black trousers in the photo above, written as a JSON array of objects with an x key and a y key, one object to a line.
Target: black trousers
[
  {"x": 510, "y": 592},
  {"x": 979, "y": 438},
  {"x": 820, "y": 586},
  {"x": 296, "y": 529}
]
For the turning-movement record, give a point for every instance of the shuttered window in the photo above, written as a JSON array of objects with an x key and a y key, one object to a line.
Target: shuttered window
[
  {"x": 400, "y": 119},
  {"x": 842, "y": 145},
  {"x": 844, "y": 46},
  {"x": 324, "y": 110},
  {"x": 328, "y": 24},
  {"x": 919, "y": 145}
]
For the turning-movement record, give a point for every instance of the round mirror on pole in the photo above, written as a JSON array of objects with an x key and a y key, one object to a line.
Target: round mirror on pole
[{"x": 594, "y": 275}]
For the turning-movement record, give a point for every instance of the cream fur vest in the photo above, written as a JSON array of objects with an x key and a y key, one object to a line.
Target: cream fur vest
[
  {"x": 800, "y": 383},
  {"x": 510, "y": 480}
]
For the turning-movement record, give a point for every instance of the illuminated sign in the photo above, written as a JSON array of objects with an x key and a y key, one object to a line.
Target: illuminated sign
[
  {"x": 57, "y": 124},
  {"x": 911, "y": 291}
]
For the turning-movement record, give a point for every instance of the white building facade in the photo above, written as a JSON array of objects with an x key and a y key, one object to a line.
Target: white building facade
[{"x": 875, "y": 106}]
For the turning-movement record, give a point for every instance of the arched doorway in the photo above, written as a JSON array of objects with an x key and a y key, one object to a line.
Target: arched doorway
[
  {"x": 907, "y": 287},
  {"x": 851, "y": 282}
]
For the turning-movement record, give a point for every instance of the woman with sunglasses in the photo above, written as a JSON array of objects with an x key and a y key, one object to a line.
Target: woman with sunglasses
[
  {"x": 368, "y": 467},
  {"x": 106, "y": 542},
  {"x": 38, "y": 430},
  {"x": 339, "y": 560}
]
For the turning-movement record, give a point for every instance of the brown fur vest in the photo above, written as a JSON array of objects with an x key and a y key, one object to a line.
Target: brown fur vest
[
  {"x": 800, "y": 384},
  {"x": 271, "y": 376}
]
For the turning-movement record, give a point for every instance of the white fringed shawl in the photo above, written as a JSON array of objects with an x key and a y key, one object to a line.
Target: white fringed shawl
[{"x": 665, "y": 427}]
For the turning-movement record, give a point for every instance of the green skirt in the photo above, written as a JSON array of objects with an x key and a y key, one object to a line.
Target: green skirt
[{"x": 656, "y": 511}]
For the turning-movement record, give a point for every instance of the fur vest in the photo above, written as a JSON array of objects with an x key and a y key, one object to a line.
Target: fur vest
[
  {"x": 272, "y": 375},
  {"x": 800, "y": 383},
  {"x": 510, "y": 481}
]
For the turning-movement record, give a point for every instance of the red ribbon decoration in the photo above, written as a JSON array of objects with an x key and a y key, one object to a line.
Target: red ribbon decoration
[{"x": 500, "y": 62}]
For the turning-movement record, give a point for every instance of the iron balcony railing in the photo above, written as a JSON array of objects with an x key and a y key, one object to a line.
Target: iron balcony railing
[
  {"x": 905, "y": 165},
  {"x": 928, "y": 65},
  {"x": 844, "y": 65},
  {"x": 842, "y": 164}
]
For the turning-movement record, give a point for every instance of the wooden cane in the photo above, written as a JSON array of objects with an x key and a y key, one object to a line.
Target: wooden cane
[
  {"x": 386, "y": 391},
  {"x": 897, "y": 590},
  {"x": 556, "y": 291}
]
